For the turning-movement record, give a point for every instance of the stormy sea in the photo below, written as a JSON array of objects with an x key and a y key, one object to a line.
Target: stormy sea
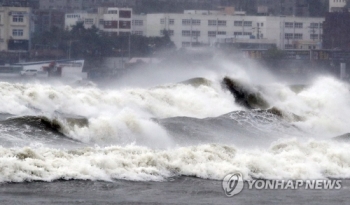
[{"x": 169, "y": 136}]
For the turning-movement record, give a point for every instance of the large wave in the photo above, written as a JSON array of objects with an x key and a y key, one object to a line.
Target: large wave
[
  {"x": 288, "y": 159},
  {"x": 193, "y": 128}
]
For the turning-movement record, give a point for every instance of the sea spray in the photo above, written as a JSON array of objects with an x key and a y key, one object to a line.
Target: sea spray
[{"x": 286, "y": 159}]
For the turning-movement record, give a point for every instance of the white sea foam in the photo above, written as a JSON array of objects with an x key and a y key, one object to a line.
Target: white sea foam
[
  {"x": 324, "y": 105},
  {"x": 116, "y": 115},
  {"x": 291, "y": 159}
]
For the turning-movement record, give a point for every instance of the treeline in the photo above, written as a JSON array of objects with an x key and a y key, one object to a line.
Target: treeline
[{"x": 81, "y": 42}]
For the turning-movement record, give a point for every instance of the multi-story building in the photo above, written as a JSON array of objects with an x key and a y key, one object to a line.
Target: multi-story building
[
  {"x": 139, "y": 6},
  {"x": 66, "y": 5},
  {"x": 336, "y": 31},
  {"x": 193, "y": 28},
  {"x": 45, "y": 20},
  {"x": 113, "y": 21},
  {"x": 15, "y": 24},
  {"x": 336, "y": 5},
  {"x": 282, "y": 7},
  {"x": 203, "y": 27},
  {"x": 34, "y": 4}
]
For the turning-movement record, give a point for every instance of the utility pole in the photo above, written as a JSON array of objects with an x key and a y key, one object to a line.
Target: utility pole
[
  {"x": 313, "y": 32},
  {"x": 129, "y": 45},
  {"x": 258, "y": 30}
]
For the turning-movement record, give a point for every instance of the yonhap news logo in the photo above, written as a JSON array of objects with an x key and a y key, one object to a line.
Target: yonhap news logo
[{"x": 233, "y": 184}]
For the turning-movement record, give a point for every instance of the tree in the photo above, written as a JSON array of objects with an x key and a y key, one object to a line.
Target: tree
[
  {"x": 274, "y": 54},
  {"x": 90, "y": 43}
]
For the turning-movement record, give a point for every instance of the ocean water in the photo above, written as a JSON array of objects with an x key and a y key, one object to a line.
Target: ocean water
[{"x": 172, "y": 140}]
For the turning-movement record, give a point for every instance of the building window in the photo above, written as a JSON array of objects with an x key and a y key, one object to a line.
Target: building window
[
  {"x": 212, "y": 33},
  {"x": 137, "y": 22},
  {"x": 171, "y": 21},
  {"x": 288, "y": 24},
  {"x": 196, "y": 33},
  {"x": 171, "y": 32},
  {"x": 298, "y": 25},
  {"x": 124, "y": 33},
  {"x": 186, "y": 22},
  {"x": 247, "y": 33},
  {"x": 221, "y": 23},
  {"x": 196, "y": 22},
  {"x": 186, "y": 44},
  {"x": 211, "y": 22},
  {"x": 17, "y": 18},
  {"x": 288, "y": 46},
  {"x": 221, "y": 32},
  {"x": 288, "y": 36},
  {"x": 124, "y": 14},
  {"x": 314, "y": 36},
  {"x": 17, "y": 32},
  {"x": 247, "y": 23},
  {"x": 162, "y": 21},
  {"x": 89, "y": 21},
  {"x": 238, "y": 23},
  {"x": 112, "y": 12},
  {"x": 139, "y": 33},
  {"x": 101, "y": 21},
  {"x": 186, "y": 33},
  {"x": 125, "y": 24},
  {"x": 73, "y": 16},
  {"x": 313, "y": 25},
  {"x": 298, "y": 36},
  {"x": 237, "y": 33}
]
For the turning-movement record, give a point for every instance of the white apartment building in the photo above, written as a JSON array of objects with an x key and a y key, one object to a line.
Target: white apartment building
[
  {"x": 336, "y": 5},
  {"x": 14, "y": 28},
  {"x": 115, "y": 21},
  {"x": 191, "y": 28}
]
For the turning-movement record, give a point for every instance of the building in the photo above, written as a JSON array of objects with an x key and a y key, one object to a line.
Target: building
[
  {"x": 336, "y": 31},
  {"x": 112, "y": 21},
  {"x": 336, "y": 5},
  {"x": 139, "y": 6},
  {"x": 15, "y": 27},
  {"x": 207, "y": 27},
  {"x": 65, "y": 5},
  {"x": 282, "y": 7},
  {"x": 196, "y": 28},
  {"x": 45, "y": 20}
]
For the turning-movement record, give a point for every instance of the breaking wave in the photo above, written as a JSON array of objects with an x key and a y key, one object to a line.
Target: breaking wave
[
  {"x": 289, "y": 159},
  {"x": 194, "y": 128}
]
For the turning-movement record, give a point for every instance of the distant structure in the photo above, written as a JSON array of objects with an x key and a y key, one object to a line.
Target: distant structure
[
  {"x": 283, "y": 7},
  {"x": 15, "y": 27},
  {"x": 112, "y": 21},
  {"x": 207, "y": 28},
  {"x": 139, "y": 6},
  {"x": 336, "y": 31},
  {"x": 337, "y": 5},
  {"x": 194, "y": 28},
  {"x": 34, "y": 4},
  {"x": 45, "y": 20}
]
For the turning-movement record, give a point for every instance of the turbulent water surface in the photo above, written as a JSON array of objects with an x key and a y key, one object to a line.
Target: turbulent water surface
[{"x": 158, "y": 134}]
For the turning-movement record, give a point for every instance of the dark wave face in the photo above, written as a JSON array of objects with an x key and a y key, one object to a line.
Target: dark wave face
[{"x": 26, "y": 130}]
